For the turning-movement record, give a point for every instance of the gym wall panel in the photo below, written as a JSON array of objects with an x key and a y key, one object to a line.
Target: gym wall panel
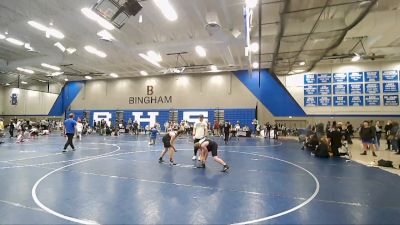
[
  {"x": 211, "y": 91},
  {"x": 29, "y": 102}
]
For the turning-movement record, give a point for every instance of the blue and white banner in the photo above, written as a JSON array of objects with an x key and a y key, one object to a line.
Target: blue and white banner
[
  {"x": 324, "y": 89},
  {"x": 340, "y": 101},
  {"x": 339, "y": 78},
  {"x": 372, "y": 88},
  {"x": 340, "y": 89},
  {"x": 390, "y": 100},
  {"x": 356, "y": 77},
  {"x": 372, "y": 100},
  {"x": 356, "y": 100},
  {"x": 311, "y": 90},
  {"x": 324, "y": 78},
  {"x": 310, "y": 101},
  {"x": 356, "y": 89},
  {"x": 390, "y": 75},
  {"x": 324, "y": 101},
  {"x": 371, "y": 76},
  {"x": 310, "y": 79},
  {"x": 392, "y": 87}
]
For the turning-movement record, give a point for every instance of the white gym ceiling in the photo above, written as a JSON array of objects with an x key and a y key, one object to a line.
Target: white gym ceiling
[{"x": 293, "y": 32}]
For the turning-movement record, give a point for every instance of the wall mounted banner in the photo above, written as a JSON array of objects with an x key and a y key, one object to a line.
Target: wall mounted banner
[
  {"x": 355, "y": 89},
  {"x": 356, "y": 100},
  {"x": 372, "y": 88},
  {"x": 390, "y": 75},
  {"x": 356, "y": 77},
  {"x": 311, "y": 90},
  {"x": 310, "y": 101},
  {"x": 340, "y": 89},
  {"x": 324, "y": 78},
  {"x": 324, "y": 89},
  {"x": 371, "y": 76},
  {"x": 310, "y": 79},
  {"x": 392, "y": 87},
  {"x": 325, "y": 101},
  {"x": 340, "y": 101},
  {"x": 372, "y": 100},
  {"x": 339, "y": 78},
  {"x": 390, "y": 100}
]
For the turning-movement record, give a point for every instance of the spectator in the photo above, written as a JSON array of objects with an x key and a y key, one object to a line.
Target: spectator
[{"x": 367, "y": 136}]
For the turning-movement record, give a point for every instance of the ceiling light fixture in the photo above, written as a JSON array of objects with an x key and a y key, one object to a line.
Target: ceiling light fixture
[
  {"x": 166, "y": 9},
  {"x": 149, "y": 59},
  {"x": 49, "y": 31},
  {"x": 105, "y": 35},
  {"x": 140, "y": 19},
  {"x": 254, "y": 47},
  {"x": 201, "y": 51},
  {"x": 114, "y": 75},
  {"x": 255, "y": 65},
  {"x": 302, "y": 63},
  {"x": 6, "y": 84},
  {"x": 66, "y": 79},
  {"x": 94, "y": 51},
  {"x": 25, "y": 70},
  {"x": 356, "y": 57},
  {"x": 71, "y": 50},
  {"x": 56, "y": 68},
  {"x": 88, "y": 77},
  {"x": 60, "y": 46},
  {"x": 2, "y": 37},
  {"x": 214, "y": 68},
  {"x": 155, "y": 56},
  {"x": 143, "y": 73},
  {"x": 15, "y": 41},
  {"x": 251, "y": 3},
  {"x": 23, "y": 82},
  {"x": 56, "y": 74},
  {"x": 101, "y": 21}
]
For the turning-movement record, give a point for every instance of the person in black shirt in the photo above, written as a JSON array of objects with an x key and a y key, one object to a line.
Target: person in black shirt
[
  {"x": 388, "y": 127},
  {"x": 336, "y": 140},
  {"x": 205, "y": 146},
  {"x": 323, "y": 148},
  {"x": 227, "y": 129},
  {"x": 367, "y": 138}
]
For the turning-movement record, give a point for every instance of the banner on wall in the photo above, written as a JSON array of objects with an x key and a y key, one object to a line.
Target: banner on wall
[
  {"x": 356, "y": 77},
  {"x": 355, "y": 89},
  {"x": 310, "y": 90},
  {"x": 324, "y": 78},
  {"x": 371, "y": 76},
  {"x": 372, "y": 100},
  {"x": 324, "y": 89},
  {"x": 372, "y": 88},
  {"x": 390, "y": 100},
  {"x": 392, "y": 87},
  {"x": 340, "y": 89},
  {"x": 324, "y": 101},
  {"x": 310, "y": 79},
  {"x": 390, "y": 75},
  {"x": 339, "y": 78},
  {"x": 356, "y": 100},
  {"x": 340, "y": 101},
  {"x": 310, "y": 101}
]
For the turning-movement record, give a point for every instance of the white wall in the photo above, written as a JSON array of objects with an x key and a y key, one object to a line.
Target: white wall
[
  {"x": 295, "y": 84},
  {"x": 29, "y": 102}
]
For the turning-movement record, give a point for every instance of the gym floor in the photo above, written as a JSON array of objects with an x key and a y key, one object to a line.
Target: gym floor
[{"x": 118, "y": 180}]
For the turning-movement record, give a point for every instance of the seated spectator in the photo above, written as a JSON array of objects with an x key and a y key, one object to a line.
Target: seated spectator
[
  {"x": 323, "y": 148},
  {"x": 344, "y": 149},
  {"x": 312, "y": 143}
]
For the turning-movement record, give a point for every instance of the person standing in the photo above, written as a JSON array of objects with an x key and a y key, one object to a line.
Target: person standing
[
  {"x": 367, "y": 137},
  {"x": 227, "y": 128},
  {"x": 388, "y": 127},
  {"x": 169, "y": 141},
  {"x": 199, "y": 132},
  {"x": 79, "y": 129},
  {"x": 378, "y": 128},
  {"x": 11, "y": 128},
  {"x": 69, "y": 131}
]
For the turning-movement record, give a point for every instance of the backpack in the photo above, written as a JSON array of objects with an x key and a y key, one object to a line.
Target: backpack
[{"x": 385, "y": 163}]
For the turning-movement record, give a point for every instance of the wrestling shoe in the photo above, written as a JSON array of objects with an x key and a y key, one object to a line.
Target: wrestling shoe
[
  {"x": 225, "y": 168},
  {"x": 194, "y": 158},
  {"x": 172, "y": 163},
  {"x": 202, "y": 165},
  {"x": 160, "y": 160}
]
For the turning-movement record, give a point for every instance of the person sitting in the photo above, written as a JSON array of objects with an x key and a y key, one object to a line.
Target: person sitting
[
  {"x": 311, "y": 143},
  {"x": 344, "y": 149},
  {"x": 323, "y": 149}
]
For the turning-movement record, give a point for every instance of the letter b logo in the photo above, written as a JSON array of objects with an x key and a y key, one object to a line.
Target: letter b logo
[{"x": 150, "y": 90}]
